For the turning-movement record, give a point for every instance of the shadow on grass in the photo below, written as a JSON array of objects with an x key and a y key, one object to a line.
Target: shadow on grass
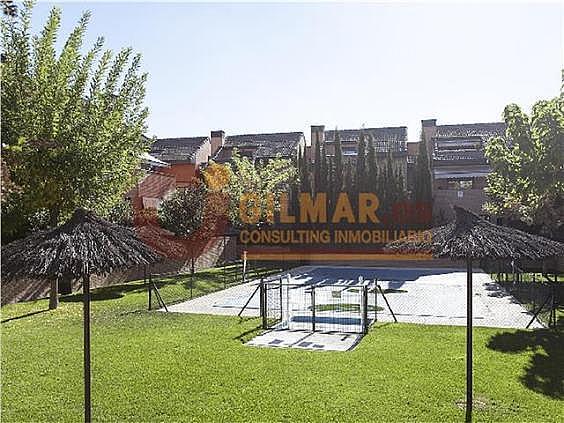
[
  {"x": 248, "y": 334},
  {"x": 545, "y": 371},
  {"x": 23, "y": 316},
  {"x": 111, "y": 292}
]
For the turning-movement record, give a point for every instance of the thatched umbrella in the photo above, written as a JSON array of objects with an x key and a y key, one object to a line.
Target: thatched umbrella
[
  {"x": 83, "y": 246},
  {"x": 469, "y": 237}
]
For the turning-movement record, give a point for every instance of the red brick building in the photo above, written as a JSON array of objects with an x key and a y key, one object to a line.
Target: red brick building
[{"x": 184, "y": 155}]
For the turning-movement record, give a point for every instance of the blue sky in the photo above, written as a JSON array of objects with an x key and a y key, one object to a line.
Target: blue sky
[{"x": 249, "y": 68}]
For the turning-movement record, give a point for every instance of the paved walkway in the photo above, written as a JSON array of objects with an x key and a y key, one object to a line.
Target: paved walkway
[
  {"x": 306, "y": 340},
  {"x": 416, "y": 295}
]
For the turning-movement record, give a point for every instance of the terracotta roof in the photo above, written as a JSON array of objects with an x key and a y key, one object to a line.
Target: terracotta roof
[
  {"x": 394, "y": 138},
  {"x": 482, "y": 130},
  {"x": 261, "y": 146},
  {"x": 463, "y": 143},
  {"x": 172, "y": 150}
]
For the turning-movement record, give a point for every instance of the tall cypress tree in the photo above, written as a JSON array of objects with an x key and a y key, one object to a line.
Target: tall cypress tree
[
  {"x": 349, "y": 182},
  {"x": 304, "y": 172},
  {"x": 423, "y": 187},
  {"x": 372, "y": 168},
  {"x": 317, "y": 171},
  {"x": 324, "y": 178},
  {"x": 389, "y": 185},
  {"x": 338, "y": 163},
  {"x": 399, "y": 179},
  {"x": 361, "y": 164},
  {"x": 330, "y": 181}
]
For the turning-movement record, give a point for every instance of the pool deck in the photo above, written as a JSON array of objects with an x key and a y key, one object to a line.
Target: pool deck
[{"x": 428, "y": 296}]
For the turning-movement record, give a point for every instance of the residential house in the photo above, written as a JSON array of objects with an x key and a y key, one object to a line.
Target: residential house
[
  {"x": 459, "y": 166},
  {"x": 184, "y": 155},
  {"x": 154, "y": 184}
]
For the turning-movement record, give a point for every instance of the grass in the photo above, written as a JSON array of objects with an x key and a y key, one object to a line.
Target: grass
[
  {"x": 154, "y": 366},
  {"x": 525, "y": 277}
]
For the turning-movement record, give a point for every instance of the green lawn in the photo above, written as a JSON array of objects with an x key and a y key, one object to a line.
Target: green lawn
[{"x": 153, "y": 366}]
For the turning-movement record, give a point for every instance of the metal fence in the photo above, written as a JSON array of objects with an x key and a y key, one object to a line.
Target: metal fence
[
  {"x": 326, "y": 307},
  {"x": 166, "y": 289},
  {"x": 542, "y": 299}
]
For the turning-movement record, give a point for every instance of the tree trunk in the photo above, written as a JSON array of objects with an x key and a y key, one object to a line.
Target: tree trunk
[
  {"x": 468, "y": 417},
  {"x": 54, "y": 294},
  {"x": 54, "y": 291},
  {"x": 86, "y": 348}
]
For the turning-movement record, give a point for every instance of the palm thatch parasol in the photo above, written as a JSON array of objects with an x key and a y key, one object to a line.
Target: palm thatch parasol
[
  {"x": 469, "y": 237},
  {"x": 83, "y": 246}
]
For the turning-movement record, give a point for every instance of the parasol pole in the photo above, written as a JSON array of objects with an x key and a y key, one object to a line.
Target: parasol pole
[
  {"x": 86, "y": 311},
  {"x": 468, "y": 339}
]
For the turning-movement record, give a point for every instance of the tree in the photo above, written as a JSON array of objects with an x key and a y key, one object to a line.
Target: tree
[
  {"x": 338, "y": 164},
  {"x": 72, "y": 123},
  {"x": 317, "y": 170},
  {"x": 527, "y": 178},
  {"x": 304, "y": 171},
  {"x": 121, "y": 213},
  {"x": 372, "y": 168},
  {"x": 361, "y": 164},
  {"x": 349, "y": 185},
  {"x": 182, "y": 213},
  {"x": 423, "y": 189},
  {"x": 324, "y": 177},
  {"x": 260, "y": 185}
]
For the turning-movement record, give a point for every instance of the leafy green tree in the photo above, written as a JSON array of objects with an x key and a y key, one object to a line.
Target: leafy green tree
[
  {"x": 121, "y": 213},
  {"x": 423, "y": 188},
  {"x": 182, "y": 213},
  {"x": 72, "y": 123},
  {"x": 527, "y": 178},
  {"x": 258, "y": 186}
]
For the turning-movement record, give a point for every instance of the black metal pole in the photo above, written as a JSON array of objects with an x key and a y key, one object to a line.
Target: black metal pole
[
  {"x": 263, "y": 304},
  {"x": 86, "y": 311},
  {"x": 281, "y": 311},
  {"x": 387, "y": 303},
  {"x": 365, "y": 308},
  {"x": 150, "y": 290},
  {"x": 147, "y": 285},
  {"x": 313, "y": 309},
  {"x": 192, "y": 270},
  {"x": 469, "y": 340},
  {"x": 375, "y": 300}
]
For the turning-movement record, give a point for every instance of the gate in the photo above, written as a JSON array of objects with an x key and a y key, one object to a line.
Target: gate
[{"x": 325, "y": 307}]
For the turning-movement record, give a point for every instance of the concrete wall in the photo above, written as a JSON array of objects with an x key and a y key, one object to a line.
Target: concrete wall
[{"x": 203, "y": 154}]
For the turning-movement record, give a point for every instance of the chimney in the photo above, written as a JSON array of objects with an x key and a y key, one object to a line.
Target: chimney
[
  {"x": 426, "y": 123},
  {"x": 217, "y": 140},
  {"x": 317, "y": 137},
  {"x": 429, "y": 129}
]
